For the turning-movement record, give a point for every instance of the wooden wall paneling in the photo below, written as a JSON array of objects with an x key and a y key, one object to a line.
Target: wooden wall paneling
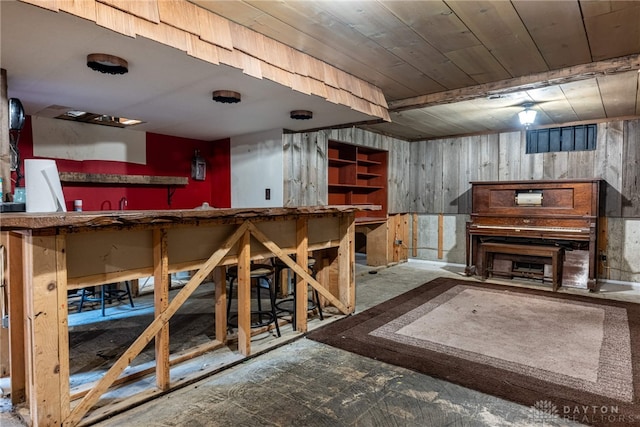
[
  {"x": 215, "y": 29},
  {"x": 450, "y": 175},
  {"x": 608, "y": 160},
  {"x": 581, "y": 164},
  {"x": 200, "y": 49},
  {"x": 180, "y": 14},
  {"x": 399, "y": 177},
  {"x": 160, "y": 304},
  {"x": 116, "y": 20},
  {"x": 511, "y": 156},
  {"x": 433, "y": 183},
  {"x": 631, "y": 170},
  {"x": 305, "y": 169},
  {"x": 616, "y": 264},
  {"x": 85, "y": 9},
  {"x": 143, "y": 9},
  {"x": 464, "y": 177},
  {"x": 45, "y": 4},
  {"x": 555, "y": 165},
  {"x": 417, "y": 174}
]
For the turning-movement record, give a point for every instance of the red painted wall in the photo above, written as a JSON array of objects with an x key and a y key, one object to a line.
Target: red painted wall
[{"x": 166, "y": 156}]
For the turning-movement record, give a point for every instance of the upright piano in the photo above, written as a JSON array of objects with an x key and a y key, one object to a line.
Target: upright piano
[{"x": 560, "y": 213}]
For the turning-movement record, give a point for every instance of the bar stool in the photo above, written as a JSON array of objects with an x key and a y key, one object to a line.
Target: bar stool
[
  {"x": 283, "y": 305},
  {"x": 260, "y": 273},
  {"x": 108, "y": 292}
]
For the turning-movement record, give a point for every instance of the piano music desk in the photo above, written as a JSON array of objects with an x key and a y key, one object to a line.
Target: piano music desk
[{"x": 554, "y": 253}]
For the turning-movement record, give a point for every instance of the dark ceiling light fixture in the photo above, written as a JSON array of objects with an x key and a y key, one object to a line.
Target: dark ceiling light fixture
[
  {"x": 301, "y": 115},
  {"x": 107, "y": 64},
  {"x": 226, "y": 96}
]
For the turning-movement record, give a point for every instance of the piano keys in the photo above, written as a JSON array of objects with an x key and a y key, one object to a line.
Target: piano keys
[{"x": 548, "y": 212}]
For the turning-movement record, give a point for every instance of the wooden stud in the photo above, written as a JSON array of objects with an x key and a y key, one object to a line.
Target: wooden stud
[
  {"x": 43, "y": 329},
  {"x": 346, "y": 262},
  {"x": 219, "y": 280},
  {"x": 63, "y": 324},
  {"x": 302, "y": 255},
  {"x": 262, "y": 238},
  {"x": 414, "y": 236},
  {"x": 14, "y": 283},
  {"x": 154, "y": 327},
  {"x": 160, "y": 304},
  {"x": 440, "y": 236},
  {"x": 243, "y": 287}
]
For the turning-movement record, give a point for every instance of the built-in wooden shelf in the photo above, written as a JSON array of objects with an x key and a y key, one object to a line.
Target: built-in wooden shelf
[
  {"x": 106, "y": 178},
  {"x": 358, "y": 175}
]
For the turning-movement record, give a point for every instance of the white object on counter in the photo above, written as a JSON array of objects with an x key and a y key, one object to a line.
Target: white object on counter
[{"x": 43, "y": 188}]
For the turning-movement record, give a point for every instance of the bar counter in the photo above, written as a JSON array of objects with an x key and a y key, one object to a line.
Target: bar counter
[{"x": 51, "y": 253}]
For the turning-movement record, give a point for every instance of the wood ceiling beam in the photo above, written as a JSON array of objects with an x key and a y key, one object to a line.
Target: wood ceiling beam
[{"x": 532, "y": 81}]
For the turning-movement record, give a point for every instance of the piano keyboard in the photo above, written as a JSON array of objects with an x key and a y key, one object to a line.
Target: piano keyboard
[{"x": 552, "y": 229}]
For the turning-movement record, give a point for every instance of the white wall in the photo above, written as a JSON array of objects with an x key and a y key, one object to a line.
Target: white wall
[
  {"x": 64, "y": 139},
  {"x": 256, "y": 164}
]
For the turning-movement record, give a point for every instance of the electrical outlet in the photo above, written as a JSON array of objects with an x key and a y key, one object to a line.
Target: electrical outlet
[
  {"x": 398, "y": 242},
  {"x": 267, "y": 194}
]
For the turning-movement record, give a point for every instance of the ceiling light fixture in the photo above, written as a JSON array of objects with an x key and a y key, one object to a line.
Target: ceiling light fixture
[
  {"x": 301, "y": 115},
  {"x": 107, "y": 64},
  {"x": 527, "y": 116},
  {"x": 226, "y": 96}
]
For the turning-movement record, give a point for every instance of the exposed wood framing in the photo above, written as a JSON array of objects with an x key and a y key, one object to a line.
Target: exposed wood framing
[
  {"x": 50, "y": 256},
  {"x": 532, "y": 81},
  {"x": 301, "y": 302}
]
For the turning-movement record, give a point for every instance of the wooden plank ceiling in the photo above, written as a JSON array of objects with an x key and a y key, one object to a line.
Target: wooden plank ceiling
[{"x": 461, "y": 67}]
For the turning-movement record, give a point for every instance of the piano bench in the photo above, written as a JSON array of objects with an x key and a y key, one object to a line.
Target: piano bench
[{"x": 554, "y": 253}]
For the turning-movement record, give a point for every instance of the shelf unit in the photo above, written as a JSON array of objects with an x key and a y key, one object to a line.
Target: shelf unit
[{"x": 358, "y": 176}]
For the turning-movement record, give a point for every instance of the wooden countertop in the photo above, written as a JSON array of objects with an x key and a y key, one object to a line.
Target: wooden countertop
[{"x": 95, "y": 219}]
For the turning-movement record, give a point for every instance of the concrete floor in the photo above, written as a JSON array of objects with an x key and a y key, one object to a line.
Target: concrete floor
[{"x": 305, "y": 383}]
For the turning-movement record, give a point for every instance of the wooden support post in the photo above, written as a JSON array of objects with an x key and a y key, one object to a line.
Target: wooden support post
[
  {"x": 244, "y": 295},
  {"x": 147, "y": 335},
  {"x": 219, "y": 280},
  {"x": 414, "y": 236},
  {"x": 440, "y": 236},
  {"x": 161, "y": 280},
  {"x": 346, "y": 262},
  {"x": 63, "y": 326},
  {"x": 43, "y": 329},
  {"x": 302, "y": 258},
  {"x": 14, "y": 287}
]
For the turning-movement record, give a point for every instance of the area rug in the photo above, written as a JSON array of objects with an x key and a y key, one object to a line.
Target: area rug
[{"x": 564, "y": 356}]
